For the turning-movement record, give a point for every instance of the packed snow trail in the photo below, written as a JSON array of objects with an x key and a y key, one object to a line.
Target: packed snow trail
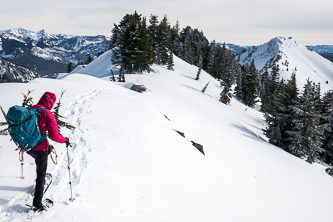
[{"x": 100, "y": 167}]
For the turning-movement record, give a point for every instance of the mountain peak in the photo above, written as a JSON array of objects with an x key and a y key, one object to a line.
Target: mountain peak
[
  {"x": 41, "y": 32},
  {"x": 291, "y": 56}
]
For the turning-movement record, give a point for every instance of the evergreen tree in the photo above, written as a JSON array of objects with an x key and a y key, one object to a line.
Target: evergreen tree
[
  {"x": 279, "y": 116},
  {"x": 70, "y": 67},
  {"x": 174, "y": 40},
  {"x": 275, "y": 79},
  {"x": 225, "y": 96},
  {"x": 200, "y": 47},
  {"x": 198, "y": 74},
  {"x": 188, "y": 45},
  {"x": 112, "y": 78},
  {"x": 307, "y": 132},
  {"x": 317, "y": 98},
  {"x": 265, "y": 95},
  {"x": 239, "y": 77},
  {"x": 27, "y": 99},
  {"x": 162, "y": 46},
  {"x": 153, "y": 31},
  {"x": 227, "y": 74},
  {"x": 327, "y": 121},
  {"x": 134, "y": 51},
  {"x": 170, "y": 60},
  {"x": 274, "y": 118},
  {"x": 250, "y": 83},
  {"x": 57, "y": 116},
  {"x": 292, "y": 89},
  {"x": 5, "y": 130},
  {"x": 89, "y": 59},
  {"x": 114, "y": 41},
  {"x": 200, "y": 68},
  {"x": 212, "y": 57},
  {"x": 204, "y": 89},
  {"x": 121, "y": 75}
]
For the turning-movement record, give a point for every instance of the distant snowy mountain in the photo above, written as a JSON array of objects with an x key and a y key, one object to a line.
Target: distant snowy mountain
[
  {"x": 322, "y": 48},
  {"x": 325, "y": 51},
  {"x": 10, "y": 72},
  {"x": 235, "y": 49},
  {"x": 289, "y": 55},
  {"x": 48, "y": 53}
]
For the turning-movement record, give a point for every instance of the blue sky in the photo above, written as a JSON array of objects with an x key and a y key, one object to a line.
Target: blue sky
[{"x": 241, "y": 22}]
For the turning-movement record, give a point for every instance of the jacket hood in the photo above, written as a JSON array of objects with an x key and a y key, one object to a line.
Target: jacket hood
[{"x": 47, "y": 100}]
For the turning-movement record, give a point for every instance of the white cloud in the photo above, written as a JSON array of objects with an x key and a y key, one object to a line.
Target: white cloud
[{"x": 240, "y": 21}]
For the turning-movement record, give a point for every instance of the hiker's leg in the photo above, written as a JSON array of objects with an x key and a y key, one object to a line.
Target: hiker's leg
[{"x": 41, "y": 166}]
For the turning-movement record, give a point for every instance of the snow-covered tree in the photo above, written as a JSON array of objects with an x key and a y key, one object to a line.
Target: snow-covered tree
[
  {"x": 238, "y": 75},
  {"x": 225, "y": 96},
  {"x": 327, "y": 121},
  {"x": 250, "y": 83},
  {"x": 60, "y": 123},
  {"x": 307, "y": 131},
  {"x": 162, "y": 44},
  {"x": 170, "y": 60},
  {"x": 153, "y": 32}
]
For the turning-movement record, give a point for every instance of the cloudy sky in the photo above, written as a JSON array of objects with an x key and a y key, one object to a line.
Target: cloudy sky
[{"x": 241, "y": 22}]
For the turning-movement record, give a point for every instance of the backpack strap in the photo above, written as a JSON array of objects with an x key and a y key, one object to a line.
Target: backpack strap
[
  {"x": 44, "y": 137},
  {"x": 42, "y": 108},
  {"x": 21, "y": 158}
]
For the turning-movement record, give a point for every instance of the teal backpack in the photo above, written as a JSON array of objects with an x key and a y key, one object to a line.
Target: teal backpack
[{"x": 23, "y": 127}]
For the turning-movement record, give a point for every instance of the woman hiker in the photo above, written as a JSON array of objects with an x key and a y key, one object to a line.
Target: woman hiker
[{"x": 46, "y": 122}]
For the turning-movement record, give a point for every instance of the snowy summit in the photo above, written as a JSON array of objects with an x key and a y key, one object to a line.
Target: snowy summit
[
  {"x": 292, "y": 56},
  {"x": 129, "y": 163}
]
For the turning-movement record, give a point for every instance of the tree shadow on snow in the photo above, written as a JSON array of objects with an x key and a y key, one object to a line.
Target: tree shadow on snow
[
  {"x": 9, "y": 177},
  {"x": 10, "y": 188},
  {"x": 18, "y": 209},
  {"x": 197, "y": 90},
  {"x": 249, "y": 133}
]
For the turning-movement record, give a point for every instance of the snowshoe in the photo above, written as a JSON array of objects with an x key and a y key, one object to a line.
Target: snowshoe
[{"x": 47, "y": 203}]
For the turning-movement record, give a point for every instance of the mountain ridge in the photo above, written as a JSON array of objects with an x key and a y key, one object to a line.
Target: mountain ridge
[{"x": 48, "y": 53}]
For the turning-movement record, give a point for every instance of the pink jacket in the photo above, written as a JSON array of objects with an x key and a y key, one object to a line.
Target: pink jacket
[{"x": 47, "y": 122}]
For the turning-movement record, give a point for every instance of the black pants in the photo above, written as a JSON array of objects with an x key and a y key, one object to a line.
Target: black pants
[{"x": 41, "y": 166}]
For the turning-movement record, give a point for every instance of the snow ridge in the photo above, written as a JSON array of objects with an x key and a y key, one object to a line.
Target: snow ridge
[{"x": 129, "y": 164}]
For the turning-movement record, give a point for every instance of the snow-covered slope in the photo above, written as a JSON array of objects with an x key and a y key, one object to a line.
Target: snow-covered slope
[
  {"x": 129, "y": 164},
  {"x": 290, "y": 55}
]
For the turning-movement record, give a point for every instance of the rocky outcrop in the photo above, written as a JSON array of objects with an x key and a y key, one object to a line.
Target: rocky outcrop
[{"x": 138, "y": 88}]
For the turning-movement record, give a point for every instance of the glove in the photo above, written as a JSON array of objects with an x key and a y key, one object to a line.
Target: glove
[{"x": 67, "y": 142}]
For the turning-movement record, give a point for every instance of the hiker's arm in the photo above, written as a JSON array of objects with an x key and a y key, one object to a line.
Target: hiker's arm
[{"x": 52, "y": 128}]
